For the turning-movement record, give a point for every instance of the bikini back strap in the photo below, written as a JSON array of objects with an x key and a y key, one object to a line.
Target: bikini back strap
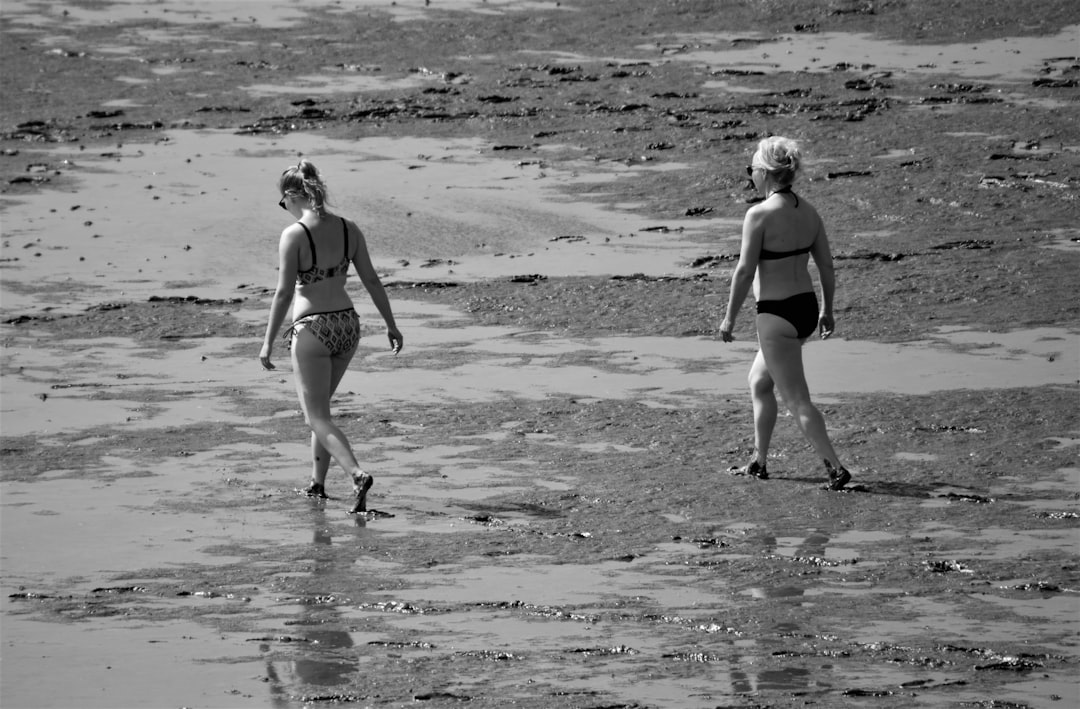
[
  {"x": 345, "y": 234},
  {"x": 311, "y": 242},
  {"x": 767, "y": 255}
]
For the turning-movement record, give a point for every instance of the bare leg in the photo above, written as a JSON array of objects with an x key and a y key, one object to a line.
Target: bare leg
[
  {"x": 320, "y": 457},
  {"x": 764, "y": 400},
  {"x": 320, "y": 461},
  {"x": 782, "y": 351},
  {"x": 317, "y": 375},
  {"x": 763, "y": 395}
]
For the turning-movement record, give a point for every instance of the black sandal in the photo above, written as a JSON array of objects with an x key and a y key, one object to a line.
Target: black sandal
[
  {"x": 837, "y": 478},
  {"x": 753, "y": 469},
  {"x": 361, "y": 484},
  {"x": 315, "y": 490}
]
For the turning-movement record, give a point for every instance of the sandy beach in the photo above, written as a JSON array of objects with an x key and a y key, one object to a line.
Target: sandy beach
[{"x": 553, "y": 194}]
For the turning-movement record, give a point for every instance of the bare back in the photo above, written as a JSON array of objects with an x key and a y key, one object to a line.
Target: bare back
[
  {"x": 791, "y": 232},
  {"x": 324, "y": 247}
]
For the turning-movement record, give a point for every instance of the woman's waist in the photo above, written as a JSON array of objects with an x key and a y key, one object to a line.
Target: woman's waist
[
  {"x": 314, "y": 279},
  {"x": 784, "y": 294},
  {"x": 303, "y": 307},
  {"x": 774, "y": 288}
]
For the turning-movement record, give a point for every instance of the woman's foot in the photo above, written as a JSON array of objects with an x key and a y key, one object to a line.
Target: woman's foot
[
  {"x": 361, "y": 484},
  {"x": 837, "y": 478},
  {"x": 315, "y": 490},
  {"x": 754, "y": 469}
]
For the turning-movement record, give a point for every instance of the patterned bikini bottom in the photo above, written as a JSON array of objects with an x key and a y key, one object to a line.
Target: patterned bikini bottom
[{"x": 338, "y": 331}]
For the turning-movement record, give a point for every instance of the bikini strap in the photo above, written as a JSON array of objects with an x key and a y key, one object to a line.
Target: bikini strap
[
  {"x": 345, "y": 233},
  {"x": 787, "y": 190},
  {"x": 311, "y": 242}
]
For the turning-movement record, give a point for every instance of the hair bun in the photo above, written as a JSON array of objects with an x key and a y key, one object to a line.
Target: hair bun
[{"x": 780, "y": 156}]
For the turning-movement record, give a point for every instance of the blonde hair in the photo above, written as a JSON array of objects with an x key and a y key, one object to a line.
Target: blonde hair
[
  {"x": 304, "y": 179},
  {"x": 779, "y": 156}
]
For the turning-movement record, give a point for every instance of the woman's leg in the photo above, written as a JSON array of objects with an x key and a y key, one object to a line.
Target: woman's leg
[
  {"x": 320, "y": 465},
  {"x": 320, "y": 461},
  {"x": 317, "y": 375},
  {"x": 782, "y": 352},
  {"x": 763, "y": 396},
  {"x": 320, "y": 457}
]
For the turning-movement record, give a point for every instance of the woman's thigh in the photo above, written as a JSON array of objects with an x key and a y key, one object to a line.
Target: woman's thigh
[
  {"x": 313, "y": 371},
  {"x": 317, "y": 372},
  {"x": 760, "y": 379},
  {"x": 782, "y": 351},
  {"x": 339, "y": 364}
]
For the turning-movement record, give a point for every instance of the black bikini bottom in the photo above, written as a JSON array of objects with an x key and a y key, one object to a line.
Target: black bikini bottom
[{"x": 800, "y": 310}]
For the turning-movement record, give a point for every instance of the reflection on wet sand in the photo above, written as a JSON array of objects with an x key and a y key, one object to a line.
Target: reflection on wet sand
[{"x": 314, "y": 652}]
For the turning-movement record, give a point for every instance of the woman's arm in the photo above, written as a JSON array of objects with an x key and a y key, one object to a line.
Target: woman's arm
[
  {"x": 368, "y": 276},
  {"x": 822, "y": 256},
  {"x": 288, "y": 263},
  {"x": 743, "y": 277}
]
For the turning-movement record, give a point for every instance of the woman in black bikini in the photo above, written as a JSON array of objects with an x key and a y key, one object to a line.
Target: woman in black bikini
[
  {"x": 314, "y": 257},
  {"x": 780, "y": 236}
]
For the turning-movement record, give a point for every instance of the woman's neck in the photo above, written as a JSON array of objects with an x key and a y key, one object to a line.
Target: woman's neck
[{"x": 313, "y": 214}]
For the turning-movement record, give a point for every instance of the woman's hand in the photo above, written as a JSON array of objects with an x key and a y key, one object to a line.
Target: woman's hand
[
  {"x": 825, "y": 325},
  {"x": 396, "y": 340},
  {"x": 725, "y": 330},
  {"x": 264, "y": 357}
]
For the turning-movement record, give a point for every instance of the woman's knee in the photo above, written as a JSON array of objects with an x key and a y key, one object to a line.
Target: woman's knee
[
  {"x": 761, "y": 384},
  {"x": 803, "y": 409},
  {"x": 318, "y": 419}
]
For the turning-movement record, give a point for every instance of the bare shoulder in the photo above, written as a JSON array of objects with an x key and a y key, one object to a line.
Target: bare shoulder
[
  {"x": 353, "y": 227},
  {"x": 815, "y": 216},
  {"x": 757, "y": 212},
  {"x": 808, "y": 204},
  {"x": 357, "y": 242},
  {"x": 291, "y": 233}
]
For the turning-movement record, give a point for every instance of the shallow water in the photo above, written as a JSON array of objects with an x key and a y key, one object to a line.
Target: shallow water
[
  {"x": 72, "y": 531},
  {"x": 107, "y": 664},
  {"x": 268, "y": 15},
  {"x": 540, "y": 584},
  {"x": 43, "y": 394},
  {"x": 725, "y": 666},
  {"x": 1004, "y": 60}
]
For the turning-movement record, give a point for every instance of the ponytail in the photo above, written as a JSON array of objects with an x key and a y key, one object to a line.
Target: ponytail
[{"x": 304, "y": 179}]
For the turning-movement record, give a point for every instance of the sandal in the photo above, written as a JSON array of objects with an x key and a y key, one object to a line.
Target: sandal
[
  {"x": 754, "y": 469},
  {"x": 315, "y": 490},
  {"x": 837, "y": 478},
  {"x": 361, "y": 484}
]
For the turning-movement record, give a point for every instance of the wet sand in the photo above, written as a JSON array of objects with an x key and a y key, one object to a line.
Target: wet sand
[{"x": 553, "y": 194}]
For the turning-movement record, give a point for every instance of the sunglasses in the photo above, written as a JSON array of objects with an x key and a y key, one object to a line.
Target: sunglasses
[
  {"x": 750, "y": 175},
  {"x": 286, "y": 171}
]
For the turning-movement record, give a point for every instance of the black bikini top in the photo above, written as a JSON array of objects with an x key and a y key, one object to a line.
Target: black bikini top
[{"x": 767, "y": 255}]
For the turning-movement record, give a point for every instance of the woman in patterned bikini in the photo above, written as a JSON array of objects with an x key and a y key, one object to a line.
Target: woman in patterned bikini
[
  {"x": 325, "y": 329},
  {"x": 780, "y": 236}
]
